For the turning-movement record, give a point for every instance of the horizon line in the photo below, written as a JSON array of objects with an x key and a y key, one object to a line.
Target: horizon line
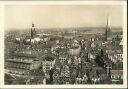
[{"x": 38, "y": 28}]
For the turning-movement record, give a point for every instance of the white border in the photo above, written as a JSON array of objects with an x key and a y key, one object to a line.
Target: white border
[{"x": 2, "y": 3}]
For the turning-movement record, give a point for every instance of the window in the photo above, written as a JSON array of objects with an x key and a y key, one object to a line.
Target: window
[
  {"x": 51, "y": 64},
  {"x": 23, "y": 65},
  {"x": 18, "y": 65},
  {"x": 28, "y": 66},
  {"x": 48, "y": 68},
  {"x": 14, "y": 65}
]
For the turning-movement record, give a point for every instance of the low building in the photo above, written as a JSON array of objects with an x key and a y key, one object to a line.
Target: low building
[
  {"x": 48, "y": 63},
  {"x": 22, "y": 63},
  {"x": 116, "y": 74}
]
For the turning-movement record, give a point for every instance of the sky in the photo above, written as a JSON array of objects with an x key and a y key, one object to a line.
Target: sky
[{"x": 61, "y": 16}]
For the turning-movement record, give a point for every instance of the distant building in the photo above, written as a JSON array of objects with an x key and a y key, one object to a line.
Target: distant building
[
  {"x": 33, "y": 31},
  {"x": 75, "y": 50}
]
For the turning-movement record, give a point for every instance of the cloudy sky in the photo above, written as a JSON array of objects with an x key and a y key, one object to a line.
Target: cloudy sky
[{"x": 50, "y": 16}]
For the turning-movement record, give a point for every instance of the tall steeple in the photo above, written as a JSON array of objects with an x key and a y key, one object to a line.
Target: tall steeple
[
  {"x": 108, "y": 28},
  {"x": 33, "y": 31}
]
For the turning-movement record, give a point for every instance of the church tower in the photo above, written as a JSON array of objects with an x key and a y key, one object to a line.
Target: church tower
[
  {"x": 107, "y": 29},
  {"x": 33, "y": 31}
]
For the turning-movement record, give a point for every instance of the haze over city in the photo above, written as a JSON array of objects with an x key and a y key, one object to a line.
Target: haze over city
[{"x": 64, "y": 16}]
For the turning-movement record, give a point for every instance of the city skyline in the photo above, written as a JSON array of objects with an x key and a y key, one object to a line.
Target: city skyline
[
  {"x": 77, "y": 55},
  {"x": 64, "y": 16}
]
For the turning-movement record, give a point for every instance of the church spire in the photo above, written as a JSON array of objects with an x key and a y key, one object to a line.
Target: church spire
[
  {"x": 108, "y": 24},
  {"x": 108, "y": 28}
]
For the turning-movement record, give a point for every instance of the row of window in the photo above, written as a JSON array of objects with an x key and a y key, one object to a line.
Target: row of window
[
  {"x": 22, "y": 72},
  {"x": 17, "y": 65},
  {"x": 116, "y": 77}
]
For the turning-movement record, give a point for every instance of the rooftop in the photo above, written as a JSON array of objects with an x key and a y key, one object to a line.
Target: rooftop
[
  {"x": 20, "y": 60},
  {"x": 48, "y": 58}
]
